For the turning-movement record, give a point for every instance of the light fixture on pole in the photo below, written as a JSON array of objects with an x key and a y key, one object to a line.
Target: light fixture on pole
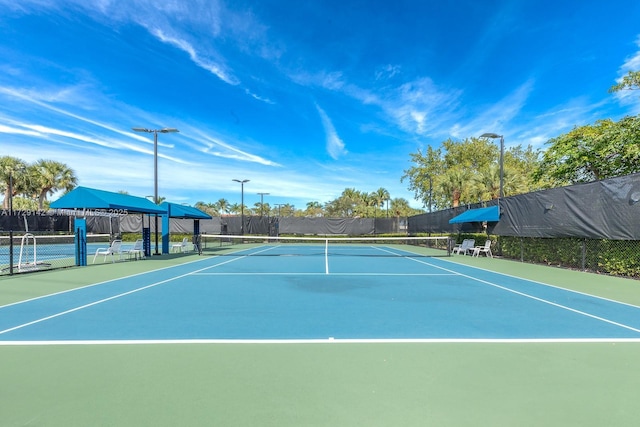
[
  {"x": 261, "y": 202},
  {"x": 494, "y": 136},
  {"x": 155, "y": 167},
  {"x": 241, "y": 203}
]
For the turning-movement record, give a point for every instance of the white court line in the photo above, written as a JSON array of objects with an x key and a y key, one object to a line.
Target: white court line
[
  {"x": 331, "y": 341},
  {"x": 495, "y": 285},
  {"x": 100, "y": 283},
  {"x": 545, "y": 284},
  {"x": 322, "y": 274},
  {"x": 62, "y": 313}
]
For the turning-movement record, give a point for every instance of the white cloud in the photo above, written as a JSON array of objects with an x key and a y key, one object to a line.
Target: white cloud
[
  {"x": 18, "y": 131},
  {"x": 496, "y": 117},
  {"x": 216, "y": 69},
  {"x": 335, "y": 145}
]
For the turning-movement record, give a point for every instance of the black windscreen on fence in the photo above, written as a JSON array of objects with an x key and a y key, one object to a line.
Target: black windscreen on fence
[{"x": 607, "y": 209}]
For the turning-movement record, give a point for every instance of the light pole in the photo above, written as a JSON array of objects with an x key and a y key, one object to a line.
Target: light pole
[
  {"x": 22, "y": 170},
  {"x": 155, "y": 167},
  {"x": 261, "y": 202},
  {"x": 241, "y": 203},
  {"x": 11, "y": 193},
  {"x": 430, "y": 194},
  {"x": 494, "y": 136}
]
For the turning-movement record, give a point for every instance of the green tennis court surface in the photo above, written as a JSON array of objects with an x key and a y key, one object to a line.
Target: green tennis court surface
[{"x": 247, "y": 339}]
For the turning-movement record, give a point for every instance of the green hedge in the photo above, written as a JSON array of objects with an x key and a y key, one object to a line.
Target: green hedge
[{"x": 614, "y": 257}]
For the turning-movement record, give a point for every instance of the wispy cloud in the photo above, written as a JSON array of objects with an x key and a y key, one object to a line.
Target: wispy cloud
[
  {"x": 417, "y": 107},
  {"x": 45, "y": 99},
  {"x": 216, "y": 69},
  {"x": 18, "y": 131},
  {"x": 335, "y": 145},
  {"x": 496, "y": 117},
  {"x": 205, "y": 143}
]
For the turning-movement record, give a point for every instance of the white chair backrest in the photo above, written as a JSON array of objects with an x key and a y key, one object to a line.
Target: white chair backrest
[{"x": 115, "y": 246}]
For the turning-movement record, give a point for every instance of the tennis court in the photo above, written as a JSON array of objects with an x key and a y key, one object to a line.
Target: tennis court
[{"x": 312, "y": 333}]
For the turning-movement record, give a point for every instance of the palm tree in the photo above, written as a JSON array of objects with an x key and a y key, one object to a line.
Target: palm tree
[
  {"x": 261, "y": 208},
  {"x": 12, "y": 173},
  {"x": 222, "y": 206},
  {"x": 453, "y": 185},
  {"x": 314, "y": 209},
  {"x": 53, "y": 176},
  {"x": 487, "y": 183},
  {"x": 234, "y": 209},
  {"x": 380, "y": 196},
  {"x": 400, "y": 207}
]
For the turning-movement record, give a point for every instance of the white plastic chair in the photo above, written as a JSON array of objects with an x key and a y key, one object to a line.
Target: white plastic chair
[
  {"x": 465, "y": 248},
  {"x": 182, "y": 246},
  {"x": 137, "y": 250},
  {"x": 114, "y": 249},
  {"x": 486, "y": 249}
]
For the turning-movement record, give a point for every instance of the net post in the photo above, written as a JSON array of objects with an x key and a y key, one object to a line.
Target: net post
[{"x": 11, "y": 252}]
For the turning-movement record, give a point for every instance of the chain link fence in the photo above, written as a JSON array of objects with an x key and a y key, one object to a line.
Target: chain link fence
[{"x": 614, "y": 257}]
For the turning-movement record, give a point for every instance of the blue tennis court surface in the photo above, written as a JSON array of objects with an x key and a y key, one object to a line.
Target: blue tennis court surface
[{"x": 391, "y": 295}]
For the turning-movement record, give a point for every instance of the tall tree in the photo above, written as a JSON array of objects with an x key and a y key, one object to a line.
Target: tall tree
[
  {"x": 53, "y": 176},
  {"x": 12, "y": 171},
  {"x": 380, "y": 196},
  {"x": 235, "y": 208},
  {"x": 261, "y": 208},
  {"x": 222, "y": 206},
  {"x": 345, "y": 206},
  {"x": 314, "y": 209},
  {"x": 592, "y": 152},
  {"x": 467, "y": 171}
]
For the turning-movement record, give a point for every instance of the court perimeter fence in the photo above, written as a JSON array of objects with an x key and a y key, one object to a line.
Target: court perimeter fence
[{"x": 592, "y": 226}]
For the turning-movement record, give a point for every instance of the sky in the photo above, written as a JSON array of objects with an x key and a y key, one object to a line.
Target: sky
[{"x": 303, "y": 98}]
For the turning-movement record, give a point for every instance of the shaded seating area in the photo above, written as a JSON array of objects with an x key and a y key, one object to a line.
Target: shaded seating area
[
  {"x": 174, "y": 210},
  {"x": 84, "y": 201}
]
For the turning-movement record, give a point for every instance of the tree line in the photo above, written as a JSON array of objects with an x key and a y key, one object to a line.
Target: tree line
[
  {"x": 468, "y": 171},
  {"x": 34, "y": 182},
  {"x": 350, "y": 204}
]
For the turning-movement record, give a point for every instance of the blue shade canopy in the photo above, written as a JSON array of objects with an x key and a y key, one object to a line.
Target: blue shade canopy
[
  {"x": 117, "y": 203},
  {"x": 490, "y": 214},
  {"x": 182, "y": 211}
]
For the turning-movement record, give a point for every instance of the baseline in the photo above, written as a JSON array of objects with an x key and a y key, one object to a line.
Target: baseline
[{"x": 329, "y": 341}]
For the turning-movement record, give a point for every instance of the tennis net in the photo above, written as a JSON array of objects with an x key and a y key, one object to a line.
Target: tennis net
[{"x": 324, "y": 246}]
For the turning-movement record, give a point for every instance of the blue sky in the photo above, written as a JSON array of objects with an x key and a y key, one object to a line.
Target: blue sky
[{"x": 303, "y": 98}]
